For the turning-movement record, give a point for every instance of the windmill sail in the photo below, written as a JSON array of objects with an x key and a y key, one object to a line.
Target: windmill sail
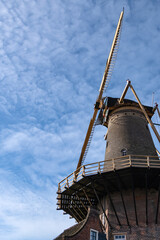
[{"x": 105, "y": 81}]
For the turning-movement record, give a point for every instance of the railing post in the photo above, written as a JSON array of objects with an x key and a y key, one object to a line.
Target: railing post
[
  {"x": 59, "y": 188},
  {"x": 83, "y": 167},
  {"x": 113, "y": 163},
  {"x": 130, "y": 161},
  {"x": 148, "y": 161},
  {"x": 74, "y": 178},
  {"x": 67, "y": 184},
  {"x": 99, "y": 168}
]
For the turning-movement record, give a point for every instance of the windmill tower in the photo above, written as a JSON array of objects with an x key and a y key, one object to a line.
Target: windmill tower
[{"x": 125, "y": 187}]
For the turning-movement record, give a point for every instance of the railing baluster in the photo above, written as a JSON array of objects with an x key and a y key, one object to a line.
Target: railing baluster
[
  {"x": 148, "y": 161},
  {"x": 83, "y": 167},
  {"x": 59, "y": 188},
  {"x": 130, "y": 161},
  {"x": 109, "y": 165},
  {"x": 113, "y": 163},
  {"x": 67, "y": 184},
  {"x": 99, "y": 168},
  {"x": 74, "y": 178}
]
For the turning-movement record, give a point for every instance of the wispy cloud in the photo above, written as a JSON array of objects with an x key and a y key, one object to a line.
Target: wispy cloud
[
  {"x": 52, "y": 59},
  {"x": 25, "y": 212}
]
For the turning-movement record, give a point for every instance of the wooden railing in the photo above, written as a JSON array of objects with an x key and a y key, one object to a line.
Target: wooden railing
[{"x": 107, "y": 166}]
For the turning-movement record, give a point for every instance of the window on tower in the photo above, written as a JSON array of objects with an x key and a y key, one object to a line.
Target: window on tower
[
  {"x": 122, "y": 237},
  {"x": 93, "y": 235},
  {"x": 124, "y": 152}
]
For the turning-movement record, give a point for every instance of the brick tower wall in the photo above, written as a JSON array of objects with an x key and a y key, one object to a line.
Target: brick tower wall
[
  {"x": 143, "y": 231},
  {"x": 128, "y": 130}
]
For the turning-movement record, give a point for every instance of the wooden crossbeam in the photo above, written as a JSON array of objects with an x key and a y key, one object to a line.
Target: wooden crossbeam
[
  {"x": 134, "y": 199},
  {"x": 146, "y": 115},
  {"x": 110, "y": 199},
  {"x": 124, "y": 206},
  {"x": 158, "y": 199},
  {"x": 78, "y": 208},
  {"x": 101, "y": 206},
  {"x": 146, "y": 186}
]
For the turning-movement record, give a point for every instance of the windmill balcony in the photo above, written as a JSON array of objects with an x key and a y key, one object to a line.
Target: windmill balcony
[
  {"x": 110, "y": 165},
  {"x": 88, "y": 186}
]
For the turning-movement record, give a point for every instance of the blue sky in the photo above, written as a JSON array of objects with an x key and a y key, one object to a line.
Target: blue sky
[{"x": 52, "y": 59}]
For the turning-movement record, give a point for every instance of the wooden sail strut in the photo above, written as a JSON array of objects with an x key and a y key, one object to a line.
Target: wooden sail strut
[
  {"x": 102, "y": 86},
  {"x": 141, "y": 106}
]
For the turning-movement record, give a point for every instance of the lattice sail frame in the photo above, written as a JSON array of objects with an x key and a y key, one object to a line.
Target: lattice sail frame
[{"x": 104, "y": 84}]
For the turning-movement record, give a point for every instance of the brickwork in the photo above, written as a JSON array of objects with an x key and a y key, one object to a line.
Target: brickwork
[
  {"x": 143, "y": 230},
  {"x": 139, "y": 233},
  {"x": 140, "y": 198},
  {"x": 128, "y": 134},
  {"x": 127, "y": 129},
  {"x": 92, "y": 221}
]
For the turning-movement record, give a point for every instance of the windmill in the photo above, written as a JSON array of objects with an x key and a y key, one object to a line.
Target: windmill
[{"x": 125, "y": 187}]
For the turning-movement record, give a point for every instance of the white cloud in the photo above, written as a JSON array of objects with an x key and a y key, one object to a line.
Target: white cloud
[
  {"x": 52, "y": 59},
  {"x": 27, "y": 214}
]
